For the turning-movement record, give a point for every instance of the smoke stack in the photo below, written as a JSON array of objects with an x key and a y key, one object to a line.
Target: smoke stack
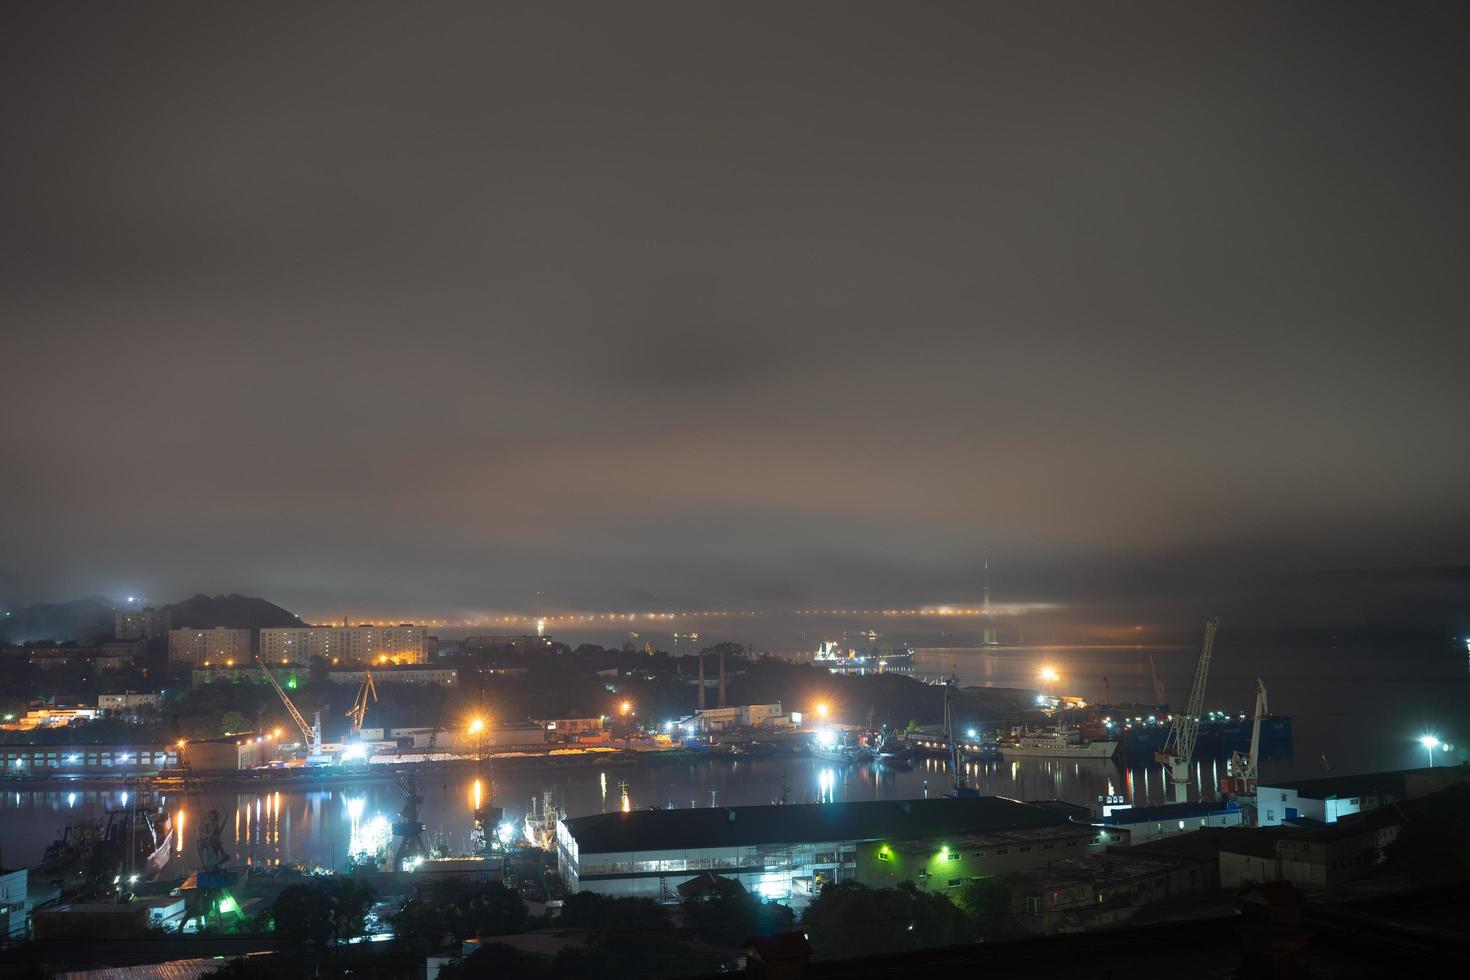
[
  {"x": 722, "y": 678},
  {"x": 701, "y": 682}
]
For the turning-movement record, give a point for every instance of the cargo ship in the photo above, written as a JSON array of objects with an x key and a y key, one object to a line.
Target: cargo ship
[
  {"x": 1144, "y": 731},
  {"x": 840, "y": 659}
]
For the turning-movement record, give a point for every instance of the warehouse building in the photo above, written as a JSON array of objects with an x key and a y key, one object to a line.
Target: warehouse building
[
  {"x": 1327, "y": 799},
  {"x": 788, "y": 853}
]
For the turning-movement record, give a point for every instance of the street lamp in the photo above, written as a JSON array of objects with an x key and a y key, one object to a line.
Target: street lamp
[
  {"x": 1430, "y": 743},
  {"x": 1049, "y": 675},
  {"x": 822, "y": 710}
]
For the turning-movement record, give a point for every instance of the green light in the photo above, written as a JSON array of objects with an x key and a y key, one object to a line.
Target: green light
[
  {"x": 291, "y": 682},
  {"x": 228, "y": 904}
]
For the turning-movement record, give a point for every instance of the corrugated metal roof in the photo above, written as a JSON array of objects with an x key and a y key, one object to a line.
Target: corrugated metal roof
[
  {"x": 191, "y": 969},
  {"x": 649, "y": 830}
]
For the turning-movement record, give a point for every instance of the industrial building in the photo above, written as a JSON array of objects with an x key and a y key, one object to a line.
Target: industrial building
[
  {"x": 15, "y": 903},
  {"x": 789, "y": 852},
  {"x": 405, "y": 643},
  {"x": 203, "y": 648},
  {"x": 733, "y": 716},
  {"x": 1147, "y": 823},
  {"x": 962, "y": 858},
  {"x": 233, "y": 752},
  {"x": 1077, "y": 893},
  {"x": 135, "y": 758},
  {"x": 1329, "y": 798}
]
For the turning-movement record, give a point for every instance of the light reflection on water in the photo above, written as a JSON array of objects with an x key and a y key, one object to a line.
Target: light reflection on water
[
  {"x": 1343, "y": 706},
  {"x": 315, "y": 826}
]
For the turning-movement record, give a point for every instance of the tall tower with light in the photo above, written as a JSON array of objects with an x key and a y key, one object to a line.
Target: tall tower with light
[{"x": 990, "y": 639}]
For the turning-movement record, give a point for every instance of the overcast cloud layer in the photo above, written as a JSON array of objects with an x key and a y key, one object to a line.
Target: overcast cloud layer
[{"x": 433, "y": 307}]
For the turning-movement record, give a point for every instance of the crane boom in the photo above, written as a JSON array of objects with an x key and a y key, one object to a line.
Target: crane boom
[
  {"x": 360, "y": 703},
  {"x": 312, "y": 735},
  {"x": 1178, "y": 748},
  {"x": 1243, "y": 767}
]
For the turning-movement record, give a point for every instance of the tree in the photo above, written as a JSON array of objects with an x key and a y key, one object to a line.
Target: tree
[
  {"x": 322, "y": 913},
  {"x": 727, "y": 915},
  {"x": 602, "y": 913},
  {"x": 988, "y": 900},
  {"x": 233, "y": 721},
  {"x": 848, "y": 919},
  {"x": 460, "y": 909},
  {"x": 496, "y": 960}
]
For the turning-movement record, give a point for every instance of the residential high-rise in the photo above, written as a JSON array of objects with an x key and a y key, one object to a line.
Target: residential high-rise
[
  {"x": 145, "y": 624},
  {"x": 220, "y": 646},
  {"x": 405, "y": 643}
]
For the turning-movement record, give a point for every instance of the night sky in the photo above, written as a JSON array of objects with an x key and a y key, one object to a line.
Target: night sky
[{"x": 430, "y": 308}]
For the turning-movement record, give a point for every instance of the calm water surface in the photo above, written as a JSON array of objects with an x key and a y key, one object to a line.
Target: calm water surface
[{"x": 1353, "y": 711}]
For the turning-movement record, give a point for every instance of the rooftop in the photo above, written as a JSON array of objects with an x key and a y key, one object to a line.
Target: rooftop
[
  {"x": 1368, "y": 783},
  {"x": 1110, "y": 869},
  {"x": 646, "y": 830},
  {"x": 999, "y": 838},
  {"x": 1169, "y": 811}
]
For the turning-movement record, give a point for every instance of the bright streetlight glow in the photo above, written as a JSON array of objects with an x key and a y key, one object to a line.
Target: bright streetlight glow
[
  {"x": 477, "y": 726},
  {"x": 1430, "y": 743},
  {"x": 625, "y": 707},
  {"x": 822, "y": 710},
  {"x": 1049, "y": 675}
]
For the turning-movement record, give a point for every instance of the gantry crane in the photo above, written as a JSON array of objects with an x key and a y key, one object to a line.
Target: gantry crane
[
  {"x": 1178, "y": 748},
  {"x": 312, "y": 733},
  {"x": 360, "y": 703},
  {"x": 1241, "y": 776}
]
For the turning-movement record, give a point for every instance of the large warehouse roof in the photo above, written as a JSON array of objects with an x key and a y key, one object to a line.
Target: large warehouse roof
[{"x": 659, "y": 830}]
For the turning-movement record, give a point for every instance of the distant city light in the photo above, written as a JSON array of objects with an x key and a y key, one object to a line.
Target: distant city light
[{"x": 971, "y": 733}]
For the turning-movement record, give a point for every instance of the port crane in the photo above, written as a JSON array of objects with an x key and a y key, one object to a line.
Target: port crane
[
  {"x": 1178, "y": 748},
  {"x": 312, "y": 733},
  {"x": 1241, "y": 776},
  {"x": 360, "y": 704},
  {"x": 962, "y": 786}
]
